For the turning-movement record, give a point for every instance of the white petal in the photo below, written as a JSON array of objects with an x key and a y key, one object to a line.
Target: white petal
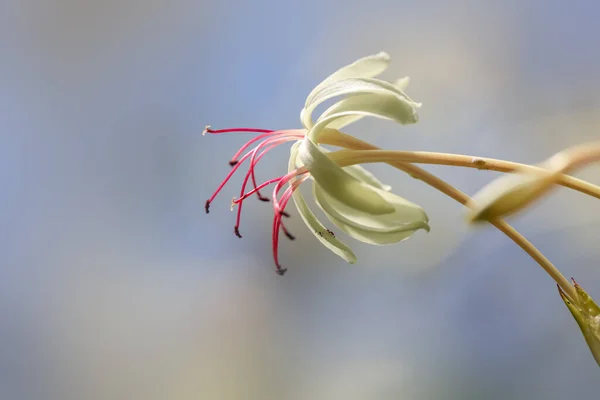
[
  {"x": 402, "y": 83},
  {"x": 315, "y": 226},
  {"x": 379, "y": 105},
  {"x": 366, "y": 67},
  {"x": 339, "y": 183},
  {"x": 344, "y": 121},
  {"x": 357, "y": 171},
  {"x": 350, "y": 87},
  {"x": 341, "y": 122},
  {"x": 371, "y": 237},
  {"x": 362, "y": 174},
  {"x": 407, "y": 217},
  {"x": 320, "y": 232},
  {"x": 355, "y": 86}
]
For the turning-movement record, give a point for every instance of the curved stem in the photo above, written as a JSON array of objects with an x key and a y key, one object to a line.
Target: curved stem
[
  {"x": 464, "y": 199},
  {"x": 370, "y": 152}
]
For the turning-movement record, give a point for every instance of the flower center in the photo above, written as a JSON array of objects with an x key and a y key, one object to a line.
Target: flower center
[{"x": 253, "y": 151}]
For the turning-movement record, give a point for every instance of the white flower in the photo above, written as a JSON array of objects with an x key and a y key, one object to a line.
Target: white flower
[{"x": 351, "y": 197}]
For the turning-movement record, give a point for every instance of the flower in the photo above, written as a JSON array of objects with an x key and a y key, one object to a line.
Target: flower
[
  {"x": 351, "y": 197},
  {"x": 587, "y": 315}
]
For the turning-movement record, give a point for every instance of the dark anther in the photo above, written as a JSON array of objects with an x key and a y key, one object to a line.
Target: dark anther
[
  {"x": 207, "y": 206},
  {"x": 233, "y": 162},
  {"x": 280, "y": 271},
  {"x": 289, "y": 235},
  {"x": 262, "y": 198},
  {"x": 285, "y": 214},
  {"x": 236, "y": 230},
  {"x": 331, "y": 233}
]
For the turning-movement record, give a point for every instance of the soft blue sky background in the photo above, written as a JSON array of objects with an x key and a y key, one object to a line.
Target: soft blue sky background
[{"x": 115, "y": 285}]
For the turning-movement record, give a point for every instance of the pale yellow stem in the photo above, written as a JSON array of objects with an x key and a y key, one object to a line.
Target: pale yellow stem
[
  {"x": 336, "y": 138},
  {"x": 462, "y": 198}
]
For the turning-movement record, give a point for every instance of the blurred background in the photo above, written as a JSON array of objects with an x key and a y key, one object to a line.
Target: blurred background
[{"x": 114, "y": 284}]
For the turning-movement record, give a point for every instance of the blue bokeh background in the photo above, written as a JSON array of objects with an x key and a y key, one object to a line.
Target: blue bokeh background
[{"x": 114, "y": 284}]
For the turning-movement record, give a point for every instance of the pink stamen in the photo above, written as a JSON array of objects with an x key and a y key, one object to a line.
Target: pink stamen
[
  {"x": 257, "y": 188},
  {"x": 275, "y": 141},
  {"x": 253, "y": 163},
  {"x": 285, "y": 179},
  {"x": 229, "y": 175},
  {"x": 252, "y": 141},
  {"x": 261, "y": 186},
  {"x": 271, "y": 144},
  {"x": 267, "y": 140},
  {"x": 277, "y": 222}
]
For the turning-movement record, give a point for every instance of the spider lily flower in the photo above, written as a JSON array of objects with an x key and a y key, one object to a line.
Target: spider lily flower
[
  {"x": 587, "y": 314},
  {"x": 351, "y": 197}
]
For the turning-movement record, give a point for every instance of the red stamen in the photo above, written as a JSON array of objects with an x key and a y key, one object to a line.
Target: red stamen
[
  {"x": 229, "y": 175},
  {"x": 279, "y": 212},
  {"x": 261, "y": 186},
  {"x": 269, "y": 139},
  {"x": 254, "y": 140},
  {"x": 285, "y": 179},
  {"x": 274, "y": 142}
]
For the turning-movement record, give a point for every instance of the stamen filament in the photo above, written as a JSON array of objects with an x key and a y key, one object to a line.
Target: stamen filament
[
  {"x": 271, "y": 143},
  {"x": 285, "y": 179},
  {"x": 254, "y": 160},
  {"x": 232, "y": 130},
  {"x": 224, "y": 182},
  {"x": 300, "y": 135},
  {"x": 277, "y": 220}
]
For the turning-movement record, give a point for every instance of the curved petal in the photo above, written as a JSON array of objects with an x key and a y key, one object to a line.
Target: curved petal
[
  {"x": 339, "y": 183},
  {"x": 402, "y": 83},
  {"x": 366, "y": 67},
  {"x": 383, "y": 103},
  {"x": 362, "y": 174},
  {"x": 316, "y": 227},
  {"x": 341, "y": 122},
  {"x": 385, "y": 106},
  {"x": 351, "y": 87},
  {"x": 375, "y": 229},
  {"x": 357, "y": 171},
  {"x": 371, "y": 237}
]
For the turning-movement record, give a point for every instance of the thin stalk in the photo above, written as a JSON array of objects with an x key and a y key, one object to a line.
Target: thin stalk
[
  {"x": 464, "y": 199},
  {"x": 369, "y": 151}
]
